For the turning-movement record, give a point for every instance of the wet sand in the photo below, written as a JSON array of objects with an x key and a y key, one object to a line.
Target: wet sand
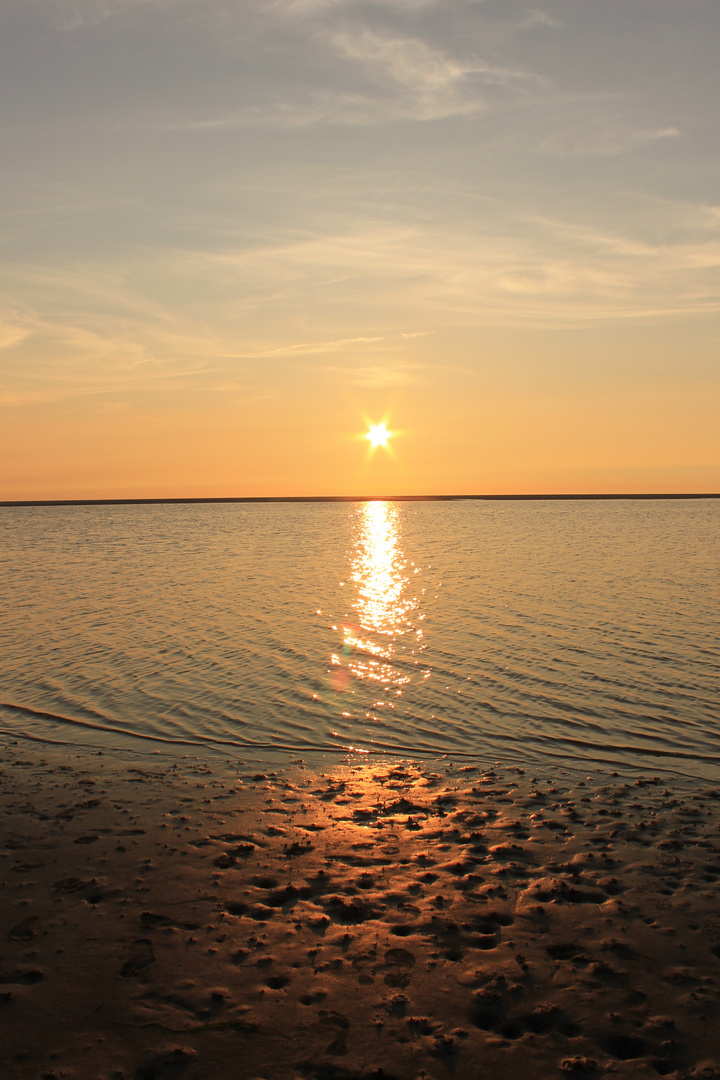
[{"x": 353, "y": 920}]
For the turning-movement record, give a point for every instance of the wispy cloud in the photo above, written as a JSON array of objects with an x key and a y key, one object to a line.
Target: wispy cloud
[
  {"x": 82, "y": 332},
  {"x": 12, "y": 332},
  {"x": 538, "y": 17},
  {"x": 422, "y": 81},
  {"x": 603, "y": 137},
  {"x": 386, "y": 78},
  {"x": 375, "y": 376},
  {"x": 312, "y": 7},
  {"x": 76, "y": 14},
  {"x": 313, "y": 348}
]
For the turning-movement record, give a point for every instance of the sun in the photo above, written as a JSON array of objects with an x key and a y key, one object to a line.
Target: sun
[{"x": 378, "y": 435}]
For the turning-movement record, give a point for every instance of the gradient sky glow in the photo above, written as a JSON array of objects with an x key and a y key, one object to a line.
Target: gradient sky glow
[{"x": 235, "y": 233}]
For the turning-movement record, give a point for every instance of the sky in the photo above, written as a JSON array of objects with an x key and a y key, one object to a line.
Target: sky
[{"x": 235, "y": 233}]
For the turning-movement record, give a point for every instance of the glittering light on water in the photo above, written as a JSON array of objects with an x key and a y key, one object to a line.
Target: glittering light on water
[{"x": 385, "y": 609}]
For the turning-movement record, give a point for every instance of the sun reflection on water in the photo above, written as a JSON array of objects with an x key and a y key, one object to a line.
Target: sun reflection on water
[{"x": 381, "y": 636}]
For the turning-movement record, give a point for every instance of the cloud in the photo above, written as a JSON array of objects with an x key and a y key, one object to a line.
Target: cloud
[
  {"x": 12, "y": 332},
  {"x": 385, "y": 78},
  {"x": 312, "y": 7},
  {"x": 422, "y": 81},
  {"x": 375, "y": 376},
  {"x": 537, "y": 17},
  {"x": 77, "y": 14},
  {"x": 358, "y": 293},
  {"x": 315, "y": 347},
  {"x": 601, "y": 137}
]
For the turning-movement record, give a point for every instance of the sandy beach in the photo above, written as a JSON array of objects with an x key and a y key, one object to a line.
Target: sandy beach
[{"x": 353, "y": 919}]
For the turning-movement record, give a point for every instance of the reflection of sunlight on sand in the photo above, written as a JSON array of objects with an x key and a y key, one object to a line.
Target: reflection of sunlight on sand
[{"x": 432, "y": 913}]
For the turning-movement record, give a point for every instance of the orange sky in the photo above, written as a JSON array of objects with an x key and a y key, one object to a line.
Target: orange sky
[
  {"x": 495, "y": 227},
  {"x": 458, "y": 435}
]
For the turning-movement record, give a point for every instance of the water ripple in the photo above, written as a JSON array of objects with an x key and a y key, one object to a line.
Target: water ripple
[{"x": 583, "y": 631}]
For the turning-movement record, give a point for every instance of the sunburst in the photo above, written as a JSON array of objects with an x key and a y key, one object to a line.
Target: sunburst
[{"x": 378, "y": 435}]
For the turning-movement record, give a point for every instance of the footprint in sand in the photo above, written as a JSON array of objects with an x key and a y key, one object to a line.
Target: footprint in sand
[
  {"x": 314, "y": 998},
  {"x": 24, "y": 930},
  {"x": 488, "y": 1010},
  {"x": 168, "y": 1063},
  {"x": 236, "y": 907},
  {"x": 399, "y": 963},
  {"x": 341, "y": 1025},
  {"x": 141, "y": 956},
  {"x": 154, "y": 921},
  {"x": 397, "y": 1005},
  {"x": 264, "y": 881},
  {"x": 224, "y": 861},
  {"x": 26, "y": 977},
  {"x": 624, "y": 1047},
  {"x": 349, "y": 912}
]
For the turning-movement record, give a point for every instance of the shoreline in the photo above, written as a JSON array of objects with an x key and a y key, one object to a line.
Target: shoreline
[
  {"x": 630, "y": 761},
  {"x": 354, "y": 919}
]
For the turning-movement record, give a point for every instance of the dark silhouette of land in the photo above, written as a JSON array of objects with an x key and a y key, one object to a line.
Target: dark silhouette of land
[{"x": 362, "y": 498}]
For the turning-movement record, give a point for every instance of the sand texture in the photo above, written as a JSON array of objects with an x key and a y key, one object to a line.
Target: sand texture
[{"x": 360, "y": 920}]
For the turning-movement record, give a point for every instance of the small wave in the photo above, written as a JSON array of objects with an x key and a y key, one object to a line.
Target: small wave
[
  {"x": 585, "y": 634},
  {"x": 545, "y": 746}
]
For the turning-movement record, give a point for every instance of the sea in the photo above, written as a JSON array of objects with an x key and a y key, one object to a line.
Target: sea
[{"x": 581, "y": 633}]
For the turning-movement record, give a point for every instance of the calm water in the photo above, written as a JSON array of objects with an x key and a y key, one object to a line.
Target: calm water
[{"x": 580, "y": 631}]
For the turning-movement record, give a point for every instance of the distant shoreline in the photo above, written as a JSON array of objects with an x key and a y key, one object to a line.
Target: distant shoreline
[{"x": 359, "y": 498}]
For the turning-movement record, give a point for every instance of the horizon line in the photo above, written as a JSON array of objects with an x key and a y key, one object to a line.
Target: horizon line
[{"x": 184, "y": 500}]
